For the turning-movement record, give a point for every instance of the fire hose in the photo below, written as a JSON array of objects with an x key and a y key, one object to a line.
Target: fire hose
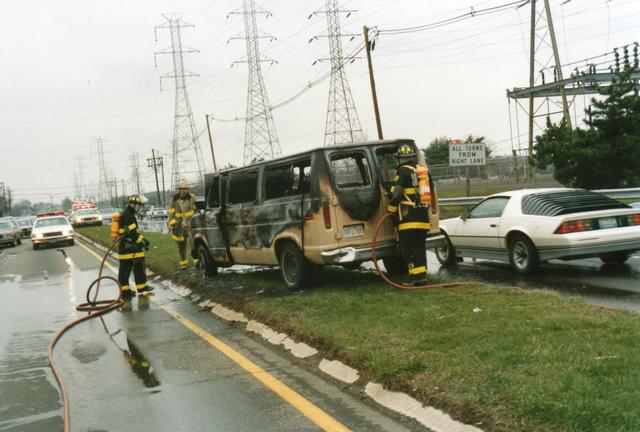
[
  {"x": 399, "y": 285},
  {"x": 94, "y": 308}
]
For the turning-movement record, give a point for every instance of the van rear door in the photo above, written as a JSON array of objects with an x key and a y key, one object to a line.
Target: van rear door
[{"x": 355, "y": 194}]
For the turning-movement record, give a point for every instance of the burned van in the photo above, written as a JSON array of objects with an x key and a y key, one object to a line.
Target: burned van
[{"x": 299, "y": 212}]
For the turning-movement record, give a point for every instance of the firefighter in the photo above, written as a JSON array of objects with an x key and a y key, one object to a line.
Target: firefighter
[
  {"x": 131, "y": 249},
  {"x": 181, "y": 210},
  {"x": 412, "y": 214}
]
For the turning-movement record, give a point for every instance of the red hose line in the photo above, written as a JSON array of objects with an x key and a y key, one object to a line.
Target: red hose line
[
  {"x": 404, "y": 286},
  {"x": 95, "y": 308}
]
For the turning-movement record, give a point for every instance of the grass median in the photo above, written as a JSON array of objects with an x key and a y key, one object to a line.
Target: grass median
[{"x": 500, "y": 358}]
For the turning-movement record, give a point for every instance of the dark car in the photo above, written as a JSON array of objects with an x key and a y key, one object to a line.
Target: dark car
[
  {"x": 9, "y": 232},
  {"x": 25, "y": 224}
]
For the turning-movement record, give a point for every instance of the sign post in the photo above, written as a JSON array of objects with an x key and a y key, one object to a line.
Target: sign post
[{"x": 467, "y": 155}]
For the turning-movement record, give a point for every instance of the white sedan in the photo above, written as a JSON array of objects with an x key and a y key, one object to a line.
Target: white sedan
[
  {"x": 86, "y": 217},
  {"x": 526, "y": 227},
  {"x": 52, "y": 230}
]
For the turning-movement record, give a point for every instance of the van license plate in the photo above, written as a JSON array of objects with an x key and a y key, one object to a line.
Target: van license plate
[
  {"x": 609, "y": 222},
  {"x": 352, "y": 230}
]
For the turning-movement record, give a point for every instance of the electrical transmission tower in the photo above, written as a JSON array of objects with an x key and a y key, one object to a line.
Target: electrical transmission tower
[
  {"x": 549, "y": 94},
  {"x": 104, "y": 189},
  {"x": 260, "y": 137},
  {"x": 79, "y": 187},
  {"x": 134, "y": 158},
  {"x": 186, "y": 151},
  {"x": 343, "y": 124}
]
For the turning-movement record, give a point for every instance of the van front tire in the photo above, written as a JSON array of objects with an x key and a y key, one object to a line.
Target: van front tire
[{"x": 296, "y": 271}]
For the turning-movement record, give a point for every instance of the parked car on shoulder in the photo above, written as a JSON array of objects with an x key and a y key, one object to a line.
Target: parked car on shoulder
[
  {"x": 86, "y": 217},
  {"x": 316, "y": 208},
  {"x": 530, "y": 226},
  {"x": 10, "y": 232},
  {"x": 635, "y": 205},
  {"x": 107, "y": 214},
  {"x": 25, "y": 224},
  {"x": 157, "y": 212},
  {"x": 52, "y": 230}
]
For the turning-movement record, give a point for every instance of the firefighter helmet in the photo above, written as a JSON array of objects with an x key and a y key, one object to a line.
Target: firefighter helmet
[
  {"x": 182, "y": 184},
  {"x": 137, "y": 199},
  {"x": 406, "y": 151}
]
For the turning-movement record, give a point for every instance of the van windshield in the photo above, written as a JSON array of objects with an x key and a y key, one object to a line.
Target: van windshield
[{"x": 351, "y": 170}]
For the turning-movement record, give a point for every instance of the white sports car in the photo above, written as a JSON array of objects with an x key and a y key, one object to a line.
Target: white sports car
[{"x": 529, "y": 226}]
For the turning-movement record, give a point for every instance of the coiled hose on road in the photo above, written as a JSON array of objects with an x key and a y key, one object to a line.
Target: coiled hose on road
[
  {"x": 384, "y": 277},
  {"x": 95, "y": 308}
]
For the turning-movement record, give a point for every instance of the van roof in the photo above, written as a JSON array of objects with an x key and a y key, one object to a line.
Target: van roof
[{"x": 337, "y": 147}]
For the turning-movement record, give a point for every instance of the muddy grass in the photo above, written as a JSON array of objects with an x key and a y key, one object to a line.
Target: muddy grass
[{"x": 499, "y": 358}]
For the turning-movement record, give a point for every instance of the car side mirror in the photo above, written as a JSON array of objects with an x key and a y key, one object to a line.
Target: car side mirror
[{"x": 465, "y": 215}]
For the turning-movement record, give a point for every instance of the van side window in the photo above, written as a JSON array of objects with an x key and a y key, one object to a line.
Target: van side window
[
  {"x": 302, "y": 176},
  {"x": 351, "y": 170},
  {"x": 287, "y": 180},
  {"x": 213, "y": 200},
  {"x": 243, "y": 187},
  {"x": 279, "y": 182}
]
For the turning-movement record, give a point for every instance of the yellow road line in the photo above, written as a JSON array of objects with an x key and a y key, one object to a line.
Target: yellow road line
[{"x": 308, "y": 409}]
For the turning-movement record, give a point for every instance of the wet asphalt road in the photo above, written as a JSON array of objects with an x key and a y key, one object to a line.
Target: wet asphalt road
[
  {"x": 140, "y": 369},
  {"x": 615, "y": 286}
]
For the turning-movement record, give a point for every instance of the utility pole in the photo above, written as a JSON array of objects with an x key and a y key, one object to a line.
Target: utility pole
[
  {"x": 342, "y": 124},
  {"x": 10, "y": 202},
  {"x": 213, "y": 156},
  {"x": 260, "y": 137},
  {"x": 369, "y": 46},
  {"x": 556, "y": 57},
  {"x": 153, "y": 163},
  {"x": 186, "y": 152},
  {"x": 515, "y": 166}
]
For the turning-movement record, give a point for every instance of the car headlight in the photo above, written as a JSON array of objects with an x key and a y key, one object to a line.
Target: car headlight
[
  {"x": 38, "y": 235},
  {"x": 66, "y": 232}
]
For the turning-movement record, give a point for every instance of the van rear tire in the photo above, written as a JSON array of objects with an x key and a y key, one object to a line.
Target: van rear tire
[
  {"x": 296, "y": 271},
  {"x": 205, "y": 262}
]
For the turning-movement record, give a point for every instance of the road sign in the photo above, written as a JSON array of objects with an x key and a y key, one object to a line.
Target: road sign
[{"x": 468, "y": 154}]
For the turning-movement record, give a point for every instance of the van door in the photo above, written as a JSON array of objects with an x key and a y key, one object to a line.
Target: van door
[
  {"x": 355, "y": 195},
  {"x": 240, "y": 215},
  {"x": 214, "y": 222}
]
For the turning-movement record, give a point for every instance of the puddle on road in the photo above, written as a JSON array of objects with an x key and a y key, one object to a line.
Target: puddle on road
[{"x": 86, "y": 351}]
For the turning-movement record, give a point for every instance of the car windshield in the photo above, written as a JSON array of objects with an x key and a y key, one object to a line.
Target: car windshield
[
  {"x": 86, "y": 211},
  {"x": 5, "y": 225},
  {"x": 51, "y": 222},
  {"x": 568, "y": 202},
  {"x": 23, "y": 222}
]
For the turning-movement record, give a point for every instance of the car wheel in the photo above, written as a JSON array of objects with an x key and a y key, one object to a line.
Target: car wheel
[
  {"x": 205, "y": 262},
  {"x": 19, "y": 240},
  {"x": 35, "y": 247},
  {"x": 523, "y": 255},
  {"x": 296, "y": 271},
  {"x": 71, "y": 242},
  {"x": 351, "y": 265},
  {"x": 395, "y": 265},
  {"x": 614, "y": 257},
  {"x": 446, "y": 253}
]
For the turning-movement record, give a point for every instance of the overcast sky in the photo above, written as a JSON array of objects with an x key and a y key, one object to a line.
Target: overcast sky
[{"x": 76, "y": 70}]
